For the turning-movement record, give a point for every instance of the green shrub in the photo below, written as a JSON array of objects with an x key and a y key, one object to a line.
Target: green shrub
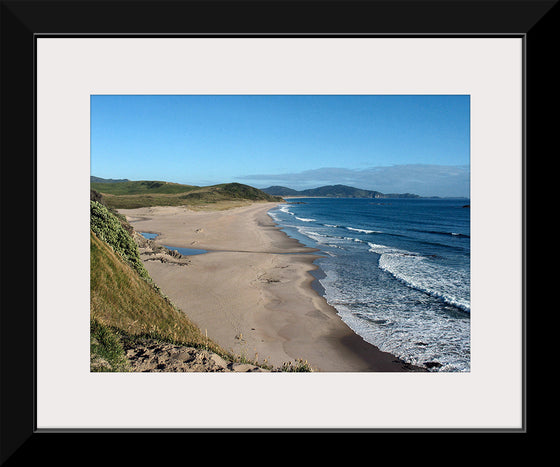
[
  {"x": 106, "y": 351},
  {"x": 110, "y": 229}
]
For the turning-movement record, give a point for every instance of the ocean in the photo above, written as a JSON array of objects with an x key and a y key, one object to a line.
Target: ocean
[{"x": 396, "y": 270}]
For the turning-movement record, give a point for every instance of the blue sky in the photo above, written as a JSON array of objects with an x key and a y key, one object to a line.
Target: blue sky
[{"x": 392, "y": 144}]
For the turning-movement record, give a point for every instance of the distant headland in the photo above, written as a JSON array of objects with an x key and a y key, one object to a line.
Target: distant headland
[{"x": 334, "y": 191}]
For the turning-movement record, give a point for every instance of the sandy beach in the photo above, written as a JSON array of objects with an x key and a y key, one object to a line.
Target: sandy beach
[{"x": 252, "y": 291}]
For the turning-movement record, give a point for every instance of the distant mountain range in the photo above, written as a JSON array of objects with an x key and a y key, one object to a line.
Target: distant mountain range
[{"x": 335, "y": 191}]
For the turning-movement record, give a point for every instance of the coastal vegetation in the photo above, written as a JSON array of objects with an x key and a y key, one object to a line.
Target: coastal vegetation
[
  {"x": 125, "y": 304},
  {"x": 110, "y": 228},
  {"x": 146, "y": 193},
  {"x": 127, "y": 309}
]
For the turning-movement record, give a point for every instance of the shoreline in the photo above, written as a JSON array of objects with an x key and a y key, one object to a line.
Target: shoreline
[{"x": 254, "y": 292}]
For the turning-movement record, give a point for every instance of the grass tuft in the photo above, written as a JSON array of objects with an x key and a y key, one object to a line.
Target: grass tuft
[
  {"x": 106, "y": 350},
  {"x": 299, "y": 366}
]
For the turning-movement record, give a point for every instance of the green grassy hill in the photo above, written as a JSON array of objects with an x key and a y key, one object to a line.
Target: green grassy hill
[
  {"x": 142, "y": 187},
  {"x": 136, "y": 194}
]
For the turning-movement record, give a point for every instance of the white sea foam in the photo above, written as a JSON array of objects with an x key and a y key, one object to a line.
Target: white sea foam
[
  {"x": 311, "y": 233},
  {"x": 383, "y": 249},
  {"x": 422, "y": 273},
  {"x": 315, "y": 236},
  {"x": 303, "y": 219},
  {"x": 363, "y": 230},
  {"x": 286, "y": 210},
  {"x": 352, "y": 239},
  {"x": 417, "y": 338}
]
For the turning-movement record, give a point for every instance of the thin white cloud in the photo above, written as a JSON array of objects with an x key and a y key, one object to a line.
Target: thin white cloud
[{"x": 421, "y": 179}]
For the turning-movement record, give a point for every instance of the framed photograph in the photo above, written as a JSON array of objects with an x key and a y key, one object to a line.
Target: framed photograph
[{"x": 434, "y": 116}]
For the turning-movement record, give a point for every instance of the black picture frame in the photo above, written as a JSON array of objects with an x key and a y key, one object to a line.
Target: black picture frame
[{"x": 22, "y": 22}]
